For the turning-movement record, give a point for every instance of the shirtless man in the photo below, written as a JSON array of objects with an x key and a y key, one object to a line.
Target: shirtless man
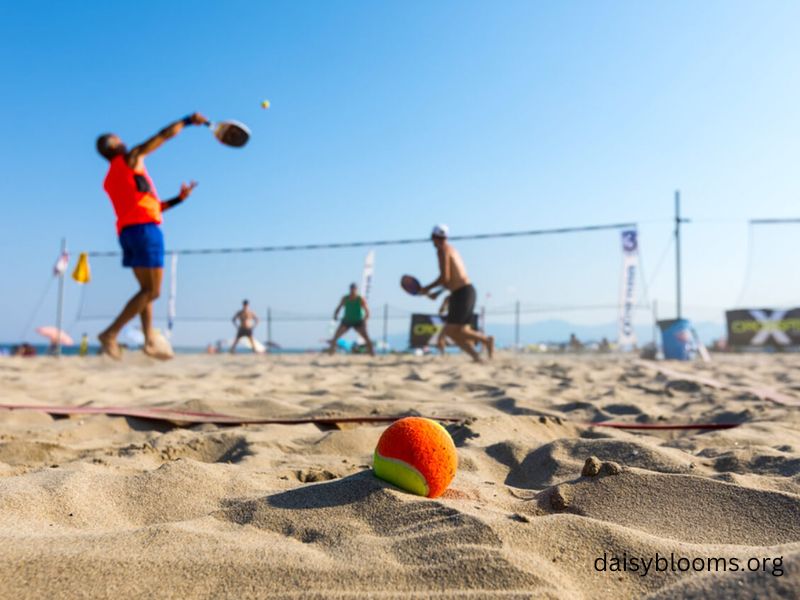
[
  {"x": 245, "y": 320},
  {"x": 453, "y": 276}
]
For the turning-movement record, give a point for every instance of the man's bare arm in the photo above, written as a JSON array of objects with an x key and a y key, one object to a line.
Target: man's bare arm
[
  {"x": 437, "y": 282},
  {"x": 186, "y": 191},
  {"x": 366, "y": 308},
  {"x": 444, "y": 266},
  {"x": 170, "y": 131},
  {"x": 338, "y": 308},
  {"x": 444, "y": 273}
]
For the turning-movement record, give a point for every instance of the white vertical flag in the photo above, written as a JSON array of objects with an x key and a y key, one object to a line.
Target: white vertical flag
[
  {"x": 61, "y": 264},
  {"x": 173, "y": 291},
  {"x": 366, "y": 277},
  {"x": 627, "y": 300}
]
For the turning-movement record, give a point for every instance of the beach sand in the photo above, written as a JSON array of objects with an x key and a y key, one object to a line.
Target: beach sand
[{"x": 99, "y": 506}]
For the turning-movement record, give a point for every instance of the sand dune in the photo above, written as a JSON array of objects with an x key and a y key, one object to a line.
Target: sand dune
[{"x": 99, "y": 506}]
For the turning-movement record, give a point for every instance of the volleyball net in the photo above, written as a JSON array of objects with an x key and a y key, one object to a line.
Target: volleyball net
[{"x": 534, "y": 286}]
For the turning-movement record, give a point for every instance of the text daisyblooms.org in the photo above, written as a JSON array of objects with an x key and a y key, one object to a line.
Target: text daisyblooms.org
[{"x": 672, "y": 563}]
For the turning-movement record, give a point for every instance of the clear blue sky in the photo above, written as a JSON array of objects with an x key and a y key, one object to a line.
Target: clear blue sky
[{"x": 390, "y": 116}]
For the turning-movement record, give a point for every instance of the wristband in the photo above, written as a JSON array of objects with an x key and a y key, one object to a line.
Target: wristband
[
  {"x": 173, "y": 202},
  {"x": 187, "y": 121}
]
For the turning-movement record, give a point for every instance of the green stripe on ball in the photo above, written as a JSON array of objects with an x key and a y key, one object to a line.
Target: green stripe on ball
[{"x": 401, "y": 474}]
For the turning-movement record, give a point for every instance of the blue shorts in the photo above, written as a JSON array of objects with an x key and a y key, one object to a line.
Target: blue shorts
[{"x": 142, "y": 246}]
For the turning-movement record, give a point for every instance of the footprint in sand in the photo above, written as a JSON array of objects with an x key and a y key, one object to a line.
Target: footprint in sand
[{"x": 423, "y": 534}]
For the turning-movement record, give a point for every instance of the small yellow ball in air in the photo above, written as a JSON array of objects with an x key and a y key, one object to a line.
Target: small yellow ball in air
[{"x": 265, "y": 104}]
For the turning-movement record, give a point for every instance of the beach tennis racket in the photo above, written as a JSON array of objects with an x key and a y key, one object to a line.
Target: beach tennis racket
[
  {"x": 410, "y": 284},
  {"x": 230, "y": 133}
]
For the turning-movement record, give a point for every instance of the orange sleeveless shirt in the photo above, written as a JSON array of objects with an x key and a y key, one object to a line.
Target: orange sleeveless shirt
[{"x": 132, "y": 193}]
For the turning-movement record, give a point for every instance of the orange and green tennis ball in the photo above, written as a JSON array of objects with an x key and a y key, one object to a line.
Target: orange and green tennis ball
[{"x": 417, "y": 455}]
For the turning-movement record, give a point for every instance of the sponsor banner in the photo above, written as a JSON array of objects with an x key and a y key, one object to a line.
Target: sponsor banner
[
  {"x": 425, "y": 327},
  {"x": 627, "y": 299},
  {"x": 765, "y": 327}
]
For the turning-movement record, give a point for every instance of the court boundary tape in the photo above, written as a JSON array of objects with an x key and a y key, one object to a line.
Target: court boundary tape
[{"x": 188, "y": 417}]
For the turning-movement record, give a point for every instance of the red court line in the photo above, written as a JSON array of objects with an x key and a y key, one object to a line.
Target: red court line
[
  {"x": 195, "y": 417},
  {"x": 666, "y": 426}
]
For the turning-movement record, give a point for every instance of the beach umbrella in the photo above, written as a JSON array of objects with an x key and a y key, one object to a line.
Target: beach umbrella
[{"x": 55, "y": 335}]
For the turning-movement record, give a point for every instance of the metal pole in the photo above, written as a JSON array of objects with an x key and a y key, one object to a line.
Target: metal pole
[
  {"x": 269, "y": 329},
  {"x": 60, "y": 309},
  {"x": 516, "y": 326},
  {"x": 655, "y": 323},
  {"x": 385, "y": 327},
  {"x": 678, "y": 251}
]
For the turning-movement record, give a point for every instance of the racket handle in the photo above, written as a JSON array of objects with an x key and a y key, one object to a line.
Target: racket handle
[{"x": 187, "y": 121}]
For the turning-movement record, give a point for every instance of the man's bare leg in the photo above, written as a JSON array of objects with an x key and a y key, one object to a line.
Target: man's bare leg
[
  {"x": 135, "y": 306},
  {"x": 146, "y": 317},
  {"x": 441, "y": 342},
  {"x": 233, "y": 345},
  {"x": 340, "y": 331},
  {"x": 476, "y": 336},
  {"x": 362, "y": 331},
  {"x": 252, "y": 344},
  {"x": 151, "y": 345},
  {"x": 457, "y": 334}
]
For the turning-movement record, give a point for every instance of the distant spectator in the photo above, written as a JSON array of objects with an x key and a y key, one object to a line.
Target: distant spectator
[
  {"x": 83, "y": 349},
  {"x": 575, "y": 345},
  {"x": 24, "y": 349}
]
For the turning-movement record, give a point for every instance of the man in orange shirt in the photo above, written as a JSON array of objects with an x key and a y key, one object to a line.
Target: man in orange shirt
[{"x": 138, "y": 211}]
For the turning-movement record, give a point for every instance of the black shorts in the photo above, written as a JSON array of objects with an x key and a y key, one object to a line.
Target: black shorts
[
  {"x": 462, "y": 306},
  {"x": 244, "y": 332},
  {"x": 352, "y": 324}
]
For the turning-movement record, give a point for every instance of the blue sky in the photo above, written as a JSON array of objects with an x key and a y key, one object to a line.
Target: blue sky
[{"x": 388, "y": 117}]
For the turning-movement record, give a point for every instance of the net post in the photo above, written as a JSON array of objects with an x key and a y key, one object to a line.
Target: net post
[
  {"x": 678, "y": 252},
  {"x": 655, "y": 324},
  {"x": 385, "y": 327},
  {"x": 516, "y": 326},
  {"x": 269, "y": 329},
  {"x": 60, "y": 309}
]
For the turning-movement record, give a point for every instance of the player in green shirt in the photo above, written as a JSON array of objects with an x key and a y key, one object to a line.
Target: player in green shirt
[{"x": 356, "y": 313}]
